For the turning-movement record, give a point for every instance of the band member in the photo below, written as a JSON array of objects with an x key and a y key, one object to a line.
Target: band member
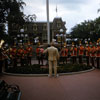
[
  {"x": 14, "y": 56},
  {"x": 1, "y": 61},
  {"x": 29, "y": 53},
  {"x": 92, "y": 55},
  {"x": 41, "y": 50},
  {"x": 38, "y": 54},
  {"x": 25, "y": 57},
  {"x": 6, "y": 58},
  {"x": 1, "y": 56},
  {"x": 87, "y": 53},
  {"x": 73, "y": 53},
  {"x": 64, "y": 54},
  {"x": 21, "y": 55},
  {"x": 98, "y": 55},
  {"x": 81, "y": 53}
]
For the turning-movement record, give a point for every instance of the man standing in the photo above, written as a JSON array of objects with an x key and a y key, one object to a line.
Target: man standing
[
  {"x": 1, "y": 60},
  {"x": 64, "y": 54},
  {"x": 53, "y": 56},
  {"x": 1, "y": 56},
  {"x": 74, "y": 54},
  {"x": 81, "y": 53},
  {"x": 39, "y": 52},
  {"x": 87, "y": 54},
  {"x": 98, "y": 55},
  {"x": 29, "y": 50},
  {"x": 92, "y": 55}
]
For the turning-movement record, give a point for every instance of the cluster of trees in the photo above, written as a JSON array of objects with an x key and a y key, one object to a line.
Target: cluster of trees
[
  {"x": 87, "y": 30},
  {"x": 10, "y": 12},
  {"x": 11, "y": 15}
]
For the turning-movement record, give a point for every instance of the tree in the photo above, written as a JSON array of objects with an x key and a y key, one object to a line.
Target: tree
[
  {"x": 87, "y": 29},
  {"x": 30, "y": 18},
  {"x": 10, "y": 12}
]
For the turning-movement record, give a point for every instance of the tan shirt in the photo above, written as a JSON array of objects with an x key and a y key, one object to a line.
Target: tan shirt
[{"x": 53, "y": 53}]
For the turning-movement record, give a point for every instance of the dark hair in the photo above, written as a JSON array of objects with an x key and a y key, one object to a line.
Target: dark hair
[{"x": 48, "y": 45}]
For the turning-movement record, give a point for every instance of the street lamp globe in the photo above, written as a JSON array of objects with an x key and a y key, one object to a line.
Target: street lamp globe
[
  {"x": 26, "y": 35},
  {"x": 61, "y": 30},
  {"x": 18, "y": 35},
  {"x": 21, "y": 30}
]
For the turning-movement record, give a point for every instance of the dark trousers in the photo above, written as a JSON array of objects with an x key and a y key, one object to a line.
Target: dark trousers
[
  {"x": 87, "y": 60},
  {"x": 1, "y": 64},
  {"x": 64, "y": 60},
  {"x": 29, "y": 61},
  {"x": 22, "y": 61},
  {"x": 14, "y": 62},
  {"x": 6, "y": 64},
  {"x": 92, "y": 61},
  {"x": 40, "y": 60},
  {"x": 98, "y": 62},
  {"x": 74, "y": 59},
  {"x": 80, "y": 59}
]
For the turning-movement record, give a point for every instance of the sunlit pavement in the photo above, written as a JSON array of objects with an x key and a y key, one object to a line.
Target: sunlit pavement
[{"x": 85, "y": 86}]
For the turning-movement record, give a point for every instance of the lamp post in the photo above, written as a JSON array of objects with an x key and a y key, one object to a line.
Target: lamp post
[
  {"x": 15, "y": 40},
  {"x": 36, "y": 40},
  {"x": 22, "y": 35},
  {"x": 57, "y": 35},
  {"x": 26, "y": 36},
  {"x": 48, "y": 24},
  {"x": 61, "y": 36}
]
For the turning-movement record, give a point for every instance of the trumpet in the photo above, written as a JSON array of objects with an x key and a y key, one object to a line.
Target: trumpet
[
  {"x": 1, "y": 43},
  {"x": 4, "y": 53},
  {"x": 2, "y": 50}
]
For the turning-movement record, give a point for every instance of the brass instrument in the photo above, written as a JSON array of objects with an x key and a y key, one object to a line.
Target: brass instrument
[
  {"x": 1, "y": 43},
  {"x": 2, "y": 50}
]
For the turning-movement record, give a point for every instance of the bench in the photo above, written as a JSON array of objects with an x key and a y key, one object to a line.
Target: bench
[{"x": 9, "y": 92}]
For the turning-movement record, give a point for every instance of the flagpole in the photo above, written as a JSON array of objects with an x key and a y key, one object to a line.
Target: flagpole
[{"x": 48, "y": 25}]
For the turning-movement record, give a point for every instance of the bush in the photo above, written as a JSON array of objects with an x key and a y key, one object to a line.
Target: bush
[
  {"x": 72, "y": 68},
  {"x": 36, "y": 69}
]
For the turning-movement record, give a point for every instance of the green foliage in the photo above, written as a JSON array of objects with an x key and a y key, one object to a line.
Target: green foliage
[
  {"x": 36, "y": 69},
  {"x": 10, "y": 12},
  {"x": 72, "y": 68},
  {"x": 87, "y": 29}
]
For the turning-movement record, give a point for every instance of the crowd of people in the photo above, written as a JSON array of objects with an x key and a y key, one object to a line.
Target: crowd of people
[
  {"x": 76, "y": 54},
  {"x": 68, "y": 54},
  {"x": 89, "y": 52},
  {"x": 11, "y": 56}
]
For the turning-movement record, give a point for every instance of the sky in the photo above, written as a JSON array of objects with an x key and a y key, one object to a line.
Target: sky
[{"x": 71, "y": 11}]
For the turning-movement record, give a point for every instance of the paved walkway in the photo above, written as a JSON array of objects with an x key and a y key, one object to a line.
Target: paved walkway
[{"x": 85, "y": 86}]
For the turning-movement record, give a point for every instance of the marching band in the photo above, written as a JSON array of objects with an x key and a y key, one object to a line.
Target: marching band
[{"x": 90, "y": 52}]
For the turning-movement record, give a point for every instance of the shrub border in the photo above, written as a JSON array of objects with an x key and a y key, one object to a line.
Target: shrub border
[{"x": 41, "y": 75}]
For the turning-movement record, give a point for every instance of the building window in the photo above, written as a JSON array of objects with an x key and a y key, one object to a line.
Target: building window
[
  {"x": 44, "y": 27},
  {"x": 58, "y": 24},
  {"x": 44, "y": 36},
  {"x": 25, "y": 28},
  {"x": 35, "y": 27}
]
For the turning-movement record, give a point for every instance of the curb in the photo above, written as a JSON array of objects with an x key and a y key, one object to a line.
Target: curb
[
  {"x": 41, "y": 75},
  {"x": 80, "y": 72}
]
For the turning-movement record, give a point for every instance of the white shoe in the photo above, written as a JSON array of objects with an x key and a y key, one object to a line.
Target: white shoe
[
  {"x": 57, "y": 75},
  {"x": 49, "y": 76}
]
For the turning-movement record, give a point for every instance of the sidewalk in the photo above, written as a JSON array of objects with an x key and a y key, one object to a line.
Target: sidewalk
[{"x": 85, "y": 86}]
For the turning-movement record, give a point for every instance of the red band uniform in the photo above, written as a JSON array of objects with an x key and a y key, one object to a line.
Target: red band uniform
[{"x": 64, "y": 54}]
